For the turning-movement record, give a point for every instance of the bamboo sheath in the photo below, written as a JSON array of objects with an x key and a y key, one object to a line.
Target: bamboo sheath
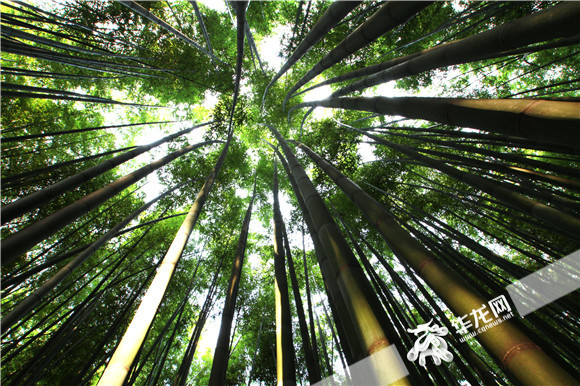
[
  {"x": 542, "y": 120},
  {"x": 365, "y": 309},
  {"x": 556, "y": 22},
  {"x": 36, "y": 199},
  {"x": 22, "y": 241},
  {"x": 513, "y": 349}
]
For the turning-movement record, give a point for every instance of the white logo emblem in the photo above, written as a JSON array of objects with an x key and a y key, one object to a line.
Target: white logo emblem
[{"x": 430, "y": 343}]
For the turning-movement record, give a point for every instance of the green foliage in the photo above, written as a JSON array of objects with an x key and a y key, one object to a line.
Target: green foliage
[{"x": 75, "y": 329}]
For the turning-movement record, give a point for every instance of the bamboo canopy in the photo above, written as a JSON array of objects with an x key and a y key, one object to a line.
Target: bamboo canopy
[{"x": 140, "y": 157}]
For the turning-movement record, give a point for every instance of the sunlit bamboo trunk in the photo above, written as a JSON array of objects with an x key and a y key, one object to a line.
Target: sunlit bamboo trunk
[
  {"x": 285, "y": 354},
  {"x": 118, "y": 367},
  {"x": 514, "y": 349},
  {"x": 366, "y": 311}
]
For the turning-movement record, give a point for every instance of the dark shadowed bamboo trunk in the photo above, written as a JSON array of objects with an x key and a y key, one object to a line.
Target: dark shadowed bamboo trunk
[
  {"x": 183, "y": 371},
  {"x": 564, "y": 223},
  {"x": 148, "y": 15},
  {"x": 335, "y": 299},
  {"x": 542, "y": 120},
  {"x": 255, "y": 353},
  {"x": 335, "y": 12},
  {"x": 32, "y": 300},
  {"x": 390, "y": 15},
  {"x": 526, "y": 361},
  {"x": 556, "y": 22},
  {"x": 35, "y": 200},
  {"x": 285, "y": 355},
  {"x": 22, "y": 241},
  {"x": 313, "y": 339},
  {"x": 24, "y": 177},
  {"x": 311, "y": 360},
  {"x": 220, "y": 358},
  {"x": 56, "y": 133},
  {"x": 199, "y": 17}
]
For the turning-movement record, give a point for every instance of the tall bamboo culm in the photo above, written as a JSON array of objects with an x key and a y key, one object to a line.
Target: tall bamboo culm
[
  {"x": 519, "y": 355},
  {"x": 364, "y": 308}
]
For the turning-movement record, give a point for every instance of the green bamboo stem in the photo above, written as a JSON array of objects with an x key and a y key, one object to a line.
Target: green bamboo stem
[
  {"x": 335, "y": 12},
  {"x": 118, "y": 367},
  {"x": 542, "y": 120},
  {"x": 509, "y": 345},
  {"x": 22, "y": 241},
  {"x": 285, "y": 354},
  {"x": 220, "y": 358},
  {"x": 555, "y": 22},
  {"x": 36, "y": 199},
  {"x": 365, "y": 309},
  {"x": 32, "y": 300},
  {"x": 390, "y": 15}
]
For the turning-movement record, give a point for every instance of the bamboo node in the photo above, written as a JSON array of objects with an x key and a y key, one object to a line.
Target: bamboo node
[
  {"x": 423, "y": 264},
  {"x": 378, "y": 345},
  {"x": 342, "y": 268},
  {"x": 514, "y": 349},
  {"x": 522, "y": 114}
]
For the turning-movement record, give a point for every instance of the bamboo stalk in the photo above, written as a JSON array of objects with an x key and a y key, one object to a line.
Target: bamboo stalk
[
  {"x": 513, "y": 348},
  {"x": 363, "y": 306},
  {"x": 22, "y": 241}
]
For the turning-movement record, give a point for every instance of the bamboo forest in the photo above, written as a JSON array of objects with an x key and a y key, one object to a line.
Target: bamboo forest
[{"x": 289, "y": 192}]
